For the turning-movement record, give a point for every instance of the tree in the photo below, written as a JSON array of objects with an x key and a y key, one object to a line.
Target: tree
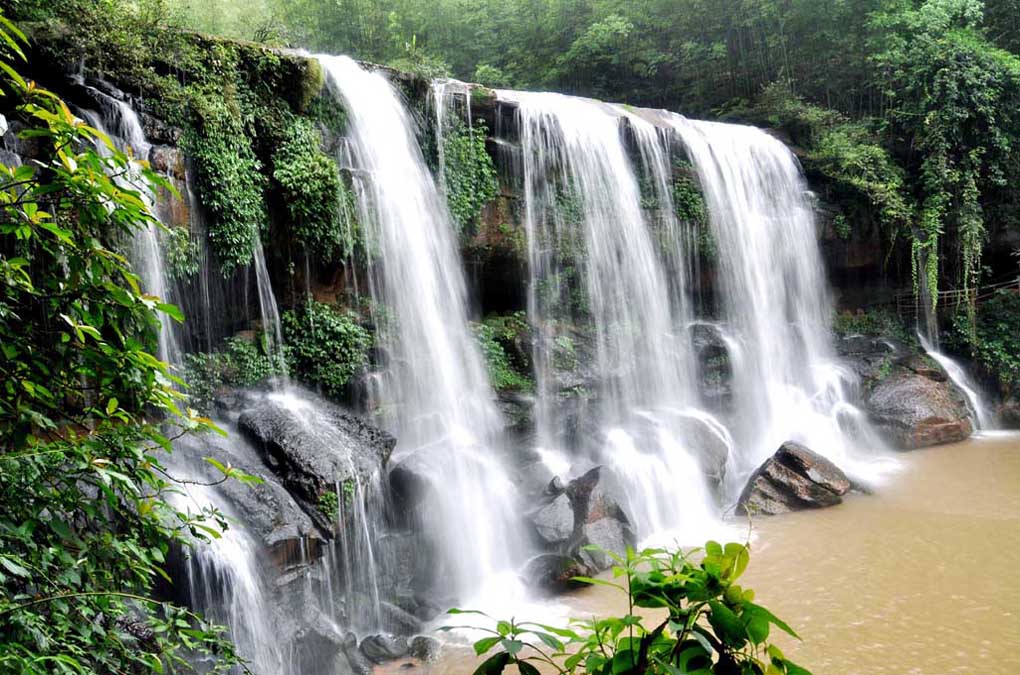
[{"x": 85, "y": 522}]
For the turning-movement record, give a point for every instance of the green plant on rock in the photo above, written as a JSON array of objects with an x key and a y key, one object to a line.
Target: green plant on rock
[
  {"x": 873, "y": 323},
  {"x": 182, "y": 252},
  {"x": 469, "y": 175},
  {"x": 711, "y": 624},
  {"x": 242, "y": 363},
  {"x": 992, "y": 338},
  {"x": 491, "y": 336},
  {"x": 229, "y": 181},
  {"x": 317, "y": 201},
  {"x": 329, "y": 505},
  {"x": 325, "y": 346}
]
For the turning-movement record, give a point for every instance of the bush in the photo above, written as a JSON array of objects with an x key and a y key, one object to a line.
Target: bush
[
  {"x": 994, "y": 339},
  {"x": 468, "y": 172},
  {"x": 873, "y": 323},
  {"x": 242, "y": 363},
  {"x": 712, "y": 624},
  {"x": 325, "y": 346},
  {"x": 495, "y": 336},
  {"x": 317, "y": 202}
]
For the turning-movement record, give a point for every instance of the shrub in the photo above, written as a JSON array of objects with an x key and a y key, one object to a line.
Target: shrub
[
  {"x": 316, "y": 200},
  {"x": 242, "y": 363},
  {"x": 468, "y": 172},
  {"x": 712, "y": 624},
  {"x": 994, "y": 339},
  {"x": 873, "y": 323},
  {"x": 325, "y": 346},
  {"x": 495, "y": 335}
]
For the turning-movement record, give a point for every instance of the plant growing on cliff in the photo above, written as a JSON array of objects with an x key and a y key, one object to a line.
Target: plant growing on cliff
[
  {"x": 242, "y": 363},
  {"x": 325, "y": 346},
  {"x": 494, "y": 336},
  {"x": 318, "y": 204},
  {"x": 991, "y": 339},
  {"x": 469, "y": 175},
  {"x": 711, "y": 623},
  {"x": 85, "y": 521}
]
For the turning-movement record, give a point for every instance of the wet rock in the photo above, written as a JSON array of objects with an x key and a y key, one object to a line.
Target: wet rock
[
  {"x": 913, "y": 410},
  {"x": 609, "y": 535},
  {"x": 554, "y": 522},
  {"x": 322, "y": 650},
  {"x": 599, "y": 518},
  {"x": 312, "y": 444},
  {"x": 398, "y": 620},
  {"x": 269, "y": 511},
  {"x": 424, "y": 648},
  {"x": 793, "y": 479},
  {"x": 1009, "y": 413},
  {"x": 554, "y": 572},
  {"x": 383, "y": 648}
]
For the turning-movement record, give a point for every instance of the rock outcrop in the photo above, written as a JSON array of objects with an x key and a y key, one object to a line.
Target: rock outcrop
[
  {"x": 919, "y": 408},
  {"x": 314, "y": 445},
  {"x": 793, "y": 479},
  {"x": 588, "y": 511}
]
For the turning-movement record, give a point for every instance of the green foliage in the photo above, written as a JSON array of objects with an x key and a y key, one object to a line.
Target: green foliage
[
  {"x": 993, "y": 338},
  {"x": 85, "y": 522},
  {"x": 242, "y": 363},
  {"x": 318, "y": 204},
  {"x": 873, "y": 323},
  {"x": 230, "y": 185},
  {"x": 469, "y": 175},
  {"x": 182, "y": 253},
  {"x": 712, "y": 624},
  {"x": 496, "y": 335},
  {"x": 325, "y": 346},
  {"x": 329, "y": 505}
]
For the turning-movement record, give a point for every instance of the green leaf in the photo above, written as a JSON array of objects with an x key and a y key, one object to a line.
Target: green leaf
[
  {"x": 772, "y": 619},
  {"x": 494, "y": 665},
  {"x": 13, "y": 567},
  {"x": 111, "y": 405},
  {"x": 727, "y": 625},
  {"x": 485, "y": 644},
  {"x": 513, "y": 647},
  {"x": 527, "y": 669}
]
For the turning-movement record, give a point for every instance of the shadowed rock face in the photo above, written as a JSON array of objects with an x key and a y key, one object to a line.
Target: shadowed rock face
[
  {"x": 313, "y": 447},
  {"x": 791, "y": 480},
  {"x": 919, "y": 408}
]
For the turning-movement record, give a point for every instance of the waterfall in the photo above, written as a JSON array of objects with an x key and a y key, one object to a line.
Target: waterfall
[
  {"x": 435, "y": 395},
  {"x": 224, "y": 578},
  {"x": 788, "y": 383},
  {"x": 980, "y": 417},
  {"x": 587, "y": 233},
  {"x": 120, "y": 122}
]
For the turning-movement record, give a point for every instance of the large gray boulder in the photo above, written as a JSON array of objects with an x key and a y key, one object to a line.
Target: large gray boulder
[
  {"x": 312, "y": 444},
  {"x": 917, "y": 408},
  {"x": 599, "y": 518},
  {"x": 793, "y": 479}
]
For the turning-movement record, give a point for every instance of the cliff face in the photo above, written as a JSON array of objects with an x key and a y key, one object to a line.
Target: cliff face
[{"x": 227, "y": 119}]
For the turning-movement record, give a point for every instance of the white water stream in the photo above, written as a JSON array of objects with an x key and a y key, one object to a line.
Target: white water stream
[{"x": 435, "y": 392}]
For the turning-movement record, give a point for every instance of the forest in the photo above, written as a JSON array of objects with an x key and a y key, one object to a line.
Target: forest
[{"x": 300, "y": 351}]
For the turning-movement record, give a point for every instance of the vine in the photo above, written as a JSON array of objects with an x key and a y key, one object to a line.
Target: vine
[{"x": 469, "y": 174}]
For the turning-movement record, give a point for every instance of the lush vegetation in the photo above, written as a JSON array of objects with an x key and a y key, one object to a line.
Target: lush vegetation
[
  {"x": 991, "y": 340},
  {"x": 87, "y": 413},
  {"x": 325, "y": 346},
  {"x": 469, "y": 175},
  {"x": 241, "y": 363},
  {"x": 706, "y": 623},
  {"x": 500, "y": 339}
]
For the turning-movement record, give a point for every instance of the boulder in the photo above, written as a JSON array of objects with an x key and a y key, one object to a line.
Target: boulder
[
  {"x": 793, "y": 479},
  {"x": 1009, "y": 413},
  {"x": 599, "y": 518},
  {"x": 554, "y": 522},
  {"x": 424, "y": 648},
  {"x": 554, "y": 572},
  {"x": 312, "y": 444},
  {"x": 383, "y": 648},
  {"x": 913, "y": 409}
]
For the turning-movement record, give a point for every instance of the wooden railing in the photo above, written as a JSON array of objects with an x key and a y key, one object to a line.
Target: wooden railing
[{"x": 907, "y": 304}]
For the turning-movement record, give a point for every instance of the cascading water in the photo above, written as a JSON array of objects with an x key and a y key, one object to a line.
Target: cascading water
[
  {"x": 788, "y": 383},
  {"x": 583, "y": 212},
  {"x": 119, "y": 121},
  {"x": 435, "y": 396},
  {"x": 982, "y": 420}
]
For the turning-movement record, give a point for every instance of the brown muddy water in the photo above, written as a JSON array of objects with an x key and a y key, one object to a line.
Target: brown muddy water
[{"x": 919, "y": 578}]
